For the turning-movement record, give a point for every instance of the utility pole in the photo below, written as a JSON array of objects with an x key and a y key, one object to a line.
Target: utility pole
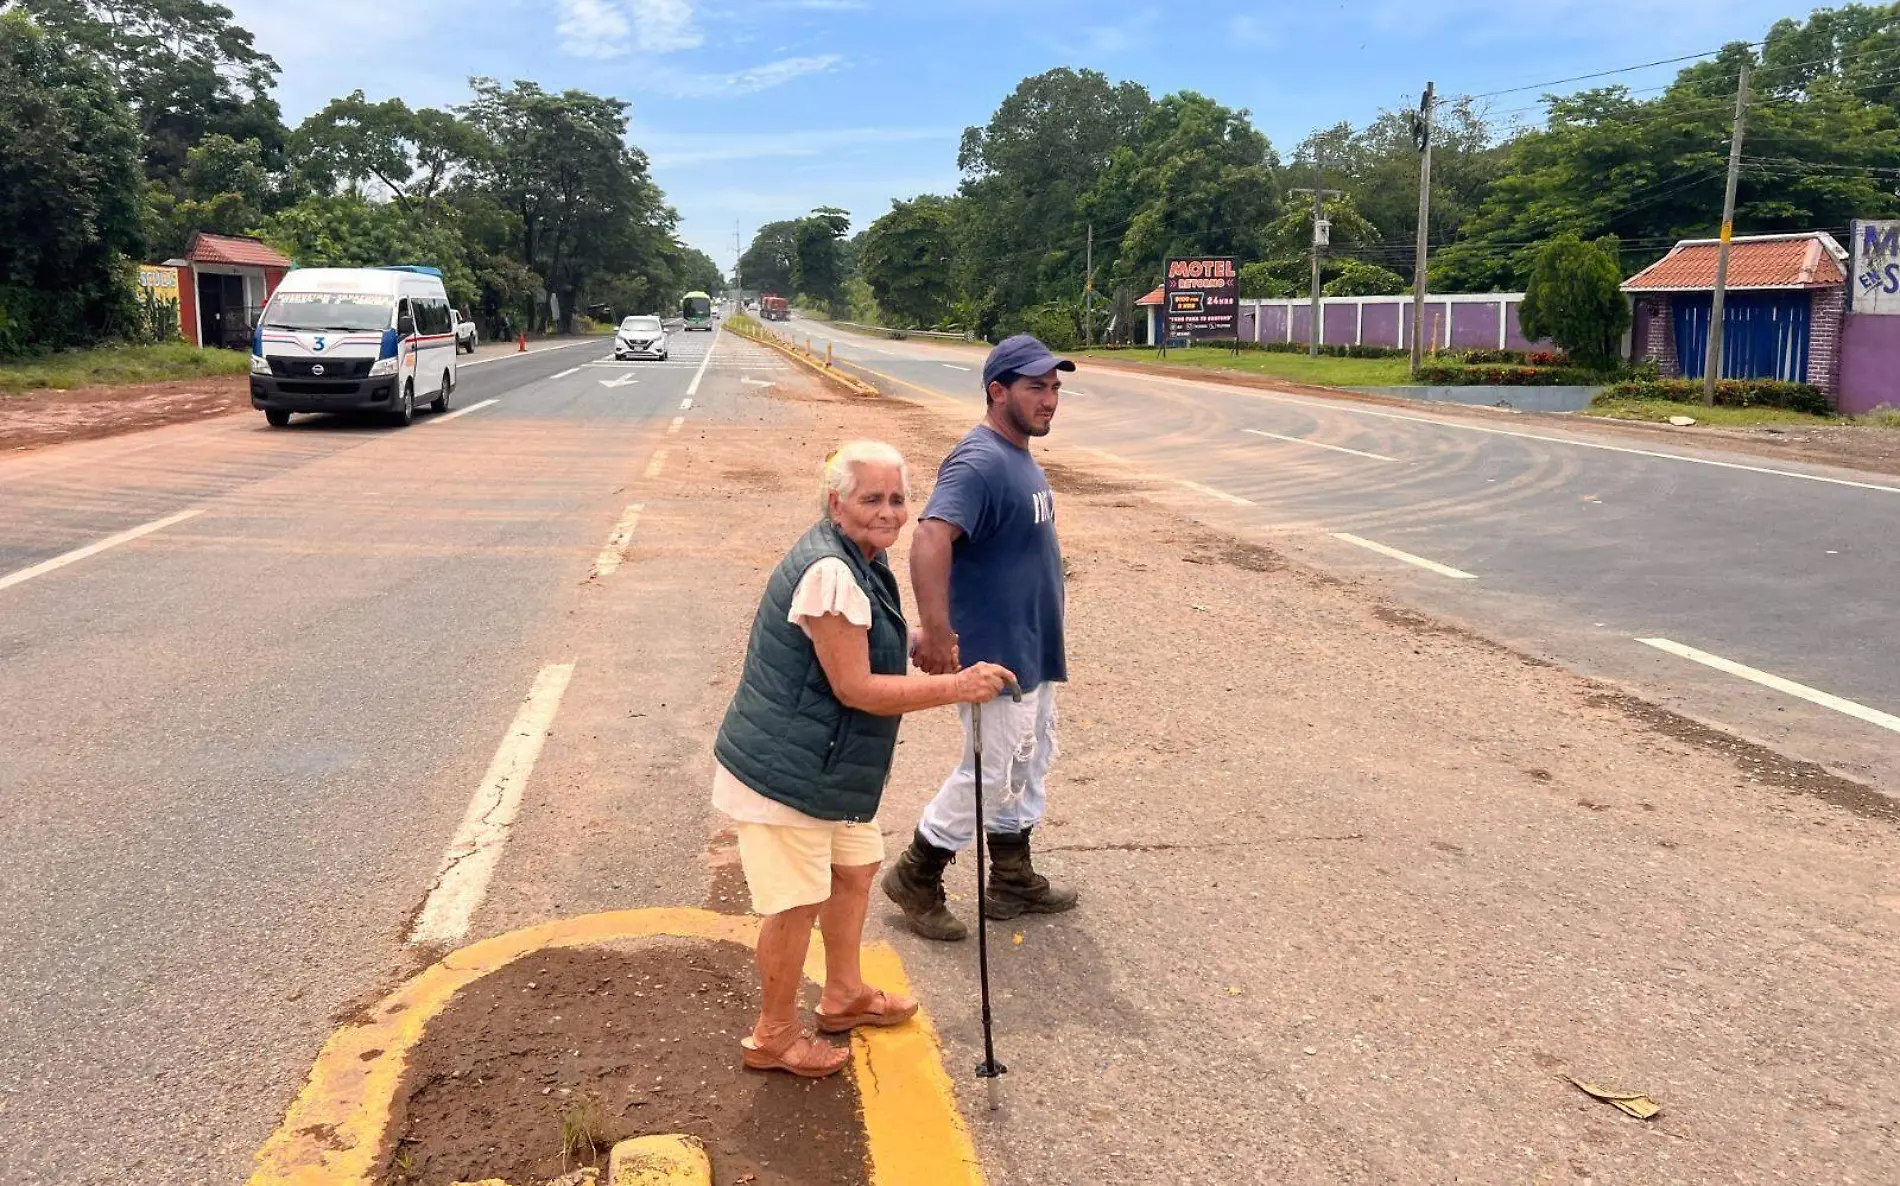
[
  {"x": 738, "y": 266},
  {"x": 1088, "y": 293},
  {"x": 1321, "y": 238},
  {"x": 1422, "y": 132},
  {"x": 1712, "y": 364}
]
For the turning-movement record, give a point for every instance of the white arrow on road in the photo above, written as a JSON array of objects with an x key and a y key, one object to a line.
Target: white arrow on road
[
  {"x": 749, "y": 381},
  {"x": 622, "y": 381}
]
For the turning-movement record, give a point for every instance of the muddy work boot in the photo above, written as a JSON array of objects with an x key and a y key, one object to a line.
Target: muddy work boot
[
  {"x": 1015, "y": 886},
  {"x": 915, "y": 883}
]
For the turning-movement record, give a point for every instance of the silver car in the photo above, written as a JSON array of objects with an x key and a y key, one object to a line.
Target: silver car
[{"x": 640, "y": 337}]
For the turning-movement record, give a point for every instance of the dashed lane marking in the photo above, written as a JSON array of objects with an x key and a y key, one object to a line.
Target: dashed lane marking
[
  {"x": 1318, "y": 445},
  {"x": 1198, "y": 488},
  {"x": 1443, "y": 570},
  {"x": 617, "y": 540},
  {"x": 460, "y": 412},
  {"x": 93, "y": 549},
  {"x": 1861, "y": 712},
  {"x": 564, "y": 374},
  {"x": 686, "y": 405},
  {"x": 476, "y": 850},
  {"x": 953, "y": 366},
  {"x": 475, "y": 362},
  {"x": 675, "y": 425},
  {"x": 657, "y": 464}
]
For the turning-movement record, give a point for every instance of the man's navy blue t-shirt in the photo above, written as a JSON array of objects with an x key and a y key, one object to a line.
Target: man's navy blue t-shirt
[{"x": 1006, "y": 571}]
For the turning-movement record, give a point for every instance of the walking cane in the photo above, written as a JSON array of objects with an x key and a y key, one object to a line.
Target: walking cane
[{"x": 989, "y": 1070}]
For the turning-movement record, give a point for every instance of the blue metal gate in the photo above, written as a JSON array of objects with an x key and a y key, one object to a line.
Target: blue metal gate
[{"x": 1764, "y": 334}]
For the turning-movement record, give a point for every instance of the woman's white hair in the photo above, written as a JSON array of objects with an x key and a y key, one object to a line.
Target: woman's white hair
[{"x": 840, "y": 473}]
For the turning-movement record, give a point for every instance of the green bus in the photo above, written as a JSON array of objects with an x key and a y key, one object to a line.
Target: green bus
[{"x": 696, "y": 310}]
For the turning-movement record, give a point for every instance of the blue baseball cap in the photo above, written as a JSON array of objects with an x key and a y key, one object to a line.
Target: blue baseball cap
[{"x": 1023, "y": 355}]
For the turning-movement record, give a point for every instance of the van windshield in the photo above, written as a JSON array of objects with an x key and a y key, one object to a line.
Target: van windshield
[{"x": 336, "y": 311}]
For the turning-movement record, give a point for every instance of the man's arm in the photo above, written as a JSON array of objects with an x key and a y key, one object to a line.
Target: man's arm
[{"x": 935, "y": 648}]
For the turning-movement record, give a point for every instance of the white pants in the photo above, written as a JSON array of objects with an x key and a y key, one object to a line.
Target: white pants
[{"x": 1019, "y": 744}]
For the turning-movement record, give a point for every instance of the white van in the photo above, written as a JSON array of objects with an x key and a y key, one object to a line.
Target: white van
[{"x": 354, "y": 339}]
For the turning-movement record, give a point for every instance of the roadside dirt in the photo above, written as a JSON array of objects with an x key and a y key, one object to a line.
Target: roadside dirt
[
  {"x": 35, "y": 419},
  {"x": 608, "y": 1044}
]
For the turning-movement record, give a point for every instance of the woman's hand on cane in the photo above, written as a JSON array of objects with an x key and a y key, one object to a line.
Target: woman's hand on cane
[{"x": 981, "y": 683}]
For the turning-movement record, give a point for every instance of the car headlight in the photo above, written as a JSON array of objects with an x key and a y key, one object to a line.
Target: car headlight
[
  {"x": 260, "y": 365},
  {"x": 385, "y": 366}
]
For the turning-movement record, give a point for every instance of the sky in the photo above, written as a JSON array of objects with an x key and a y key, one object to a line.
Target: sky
[{"x": 756, "y": 110}]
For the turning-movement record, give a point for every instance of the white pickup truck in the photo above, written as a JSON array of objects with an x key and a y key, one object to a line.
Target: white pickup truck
[{"x": 464, "y": 333}]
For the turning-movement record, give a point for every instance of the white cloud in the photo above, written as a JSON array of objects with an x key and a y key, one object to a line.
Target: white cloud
[
  {"x": 739, "y": 83},
  {"x": 664, "y": 26},
  {"x": 593, "y": 28}
]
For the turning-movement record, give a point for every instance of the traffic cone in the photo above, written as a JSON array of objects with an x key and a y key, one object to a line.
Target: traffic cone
[{"x": 521, "y": 344}]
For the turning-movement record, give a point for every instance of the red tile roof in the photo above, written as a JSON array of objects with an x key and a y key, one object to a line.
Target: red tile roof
[
  {"x": 1754, "y": 261},
  {"x": 1153, "y": 298},
  {"x": 232, "y": 249}
]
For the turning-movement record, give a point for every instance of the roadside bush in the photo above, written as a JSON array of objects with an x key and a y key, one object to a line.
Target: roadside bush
[
  {"x": 1729, "y": 393},
  {"x": 1462, "y": 375},
  {"x": 1326, "y": 351}
]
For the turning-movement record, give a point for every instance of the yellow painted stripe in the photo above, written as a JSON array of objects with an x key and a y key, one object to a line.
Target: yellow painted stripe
[{"x": 335, "y": 1128}]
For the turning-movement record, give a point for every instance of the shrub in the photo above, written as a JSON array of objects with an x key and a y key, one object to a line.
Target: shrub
[
  {"x": 1328, "y": 351},
  {"x": 1574, "y": 298},
  {"x": 1462, "y": 375},
  {"x": 1729, "y": 393}
]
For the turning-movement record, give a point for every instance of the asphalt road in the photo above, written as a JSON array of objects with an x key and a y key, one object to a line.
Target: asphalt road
[
  {"x": 235, "y": 747},
  {"x": 1574, "y": 544}
]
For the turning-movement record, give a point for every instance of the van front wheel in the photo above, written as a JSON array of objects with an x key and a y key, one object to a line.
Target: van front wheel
[{"x": 405, "y": 412}]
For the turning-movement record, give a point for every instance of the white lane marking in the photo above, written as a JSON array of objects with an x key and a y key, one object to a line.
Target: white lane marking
[
  {"x": 1319, "y": 445},
  {"x": 675, "y": 425},
  {"x": 564, "y": 374},
  {"x": 460, "y": 412},
  {"x": 749, "y": 381},
  {"x": 622, "y": 381},
  {"x": 1213, "y": 493},
  {"x": 1872, "y": 716},
  {"x": 472, "y": 856},
  {"x": 953, "y": 366},
  {"x": 475, "y": 362},
  {"x": 1529, "y": 436},
  {"x": 616, "y": 548},
  {"x": 1074, "y": 391},
  {"x": 686, "y": 405},
  {"x": 693, "y": 387},
  {"x": 658, "y": 463},
  {"x": 93, "y": 549},
  {"x": 1443, "y": 570}
]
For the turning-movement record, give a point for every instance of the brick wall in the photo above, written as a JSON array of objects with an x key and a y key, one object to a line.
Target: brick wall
[
  {"x": 1662, "y": 339},
  {"x": 1824, "y": 338}
]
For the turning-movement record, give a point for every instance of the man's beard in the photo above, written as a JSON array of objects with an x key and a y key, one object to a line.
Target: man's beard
[{"x": 1023, "y": 424}]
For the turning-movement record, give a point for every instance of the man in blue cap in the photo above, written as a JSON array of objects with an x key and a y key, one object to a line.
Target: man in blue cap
[{"x": 987, "y": 575}]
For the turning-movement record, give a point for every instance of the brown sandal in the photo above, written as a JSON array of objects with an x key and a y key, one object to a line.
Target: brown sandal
[
  {"x": 798, "y": 1052},
  {"x": 878, "y": 1008}
]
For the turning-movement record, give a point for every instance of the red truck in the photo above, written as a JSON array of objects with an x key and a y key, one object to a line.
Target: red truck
[{"x": 773, "y": 308}]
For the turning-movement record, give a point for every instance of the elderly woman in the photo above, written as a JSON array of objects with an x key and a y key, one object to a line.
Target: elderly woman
[{"x": 806, "y": 747}]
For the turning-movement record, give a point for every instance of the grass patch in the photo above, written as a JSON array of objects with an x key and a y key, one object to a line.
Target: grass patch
[
  {"x": 1884, "y": 416},
  {"x": 119, "y": 364},
  {"x": 1298, "y": 368},
  {"x": 1662, "y": 410}
]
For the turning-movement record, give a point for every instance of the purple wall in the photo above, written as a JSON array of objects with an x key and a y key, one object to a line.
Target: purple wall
[
  {"x": 1273, "y": 325},
  {"x": 1302, "y": 319},
  {"x": 1514, "y": 338},
  {"x": 1341, "y": 322},
  {"x": 1870, "y": 363},
  {"x": 1245, "y": 332},
  {"x": 1474, "y": 327},
  {"x": 1381, "y": 326}
]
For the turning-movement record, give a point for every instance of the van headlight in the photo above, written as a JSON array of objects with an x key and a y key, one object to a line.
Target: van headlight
[
  {"x": 385, "y": 366},
  {"x": 260, "y": 365}
]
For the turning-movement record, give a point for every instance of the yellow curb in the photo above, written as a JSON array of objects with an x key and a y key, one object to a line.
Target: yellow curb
[
  {"x": 334, "y": 1130},
  {"x": 673, "y": 1160},
  {"x": 849, "y": 382}
]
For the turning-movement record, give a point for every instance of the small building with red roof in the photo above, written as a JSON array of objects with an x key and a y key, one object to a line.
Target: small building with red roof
[
  {"x": 1782, "y": 308},
  {"x": 223, "y": 282}
]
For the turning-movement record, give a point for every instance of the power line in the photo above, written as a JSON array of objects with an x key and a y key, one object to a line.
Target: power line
[{"x": 1607, "y": 73}]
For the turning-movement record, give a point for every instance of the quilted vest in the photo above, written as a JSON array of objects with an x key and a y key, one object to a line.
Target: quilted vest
[{"x": 785, "y": 734}]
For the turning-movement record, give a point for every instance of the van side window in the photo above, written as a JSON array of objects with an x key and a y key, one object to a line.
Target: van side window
[
  {"x": 438, "y": 315},
  {"x": 404, "y": 309}
]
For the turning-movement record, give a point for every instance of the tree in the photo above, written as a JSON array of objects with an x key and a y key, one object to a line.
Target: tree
[
  {"x": 70, "y": 218},
  {"x": 408, "y": 154},
  {"x": 186, "y": 68},
  {"x": 904, "y": 260},
  {"x": 352, "y": 231},
  {"x": 818, "y": 269},
  {"x": 1574, "y": 299},
  {"x": 1359, "y": 278},
  {"x": 767, "y": 264}
]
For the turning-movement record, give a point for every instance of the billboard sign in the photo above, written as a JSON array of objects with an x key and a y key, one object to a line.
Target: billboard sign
[
  {"x": 1201, "y": 297},
  {"x": 1874, "y": 284}
]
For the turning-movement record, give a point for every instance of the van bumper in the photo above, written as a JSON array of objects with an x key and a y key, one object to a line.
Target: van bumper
[{"x": 271, "y": 393}]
